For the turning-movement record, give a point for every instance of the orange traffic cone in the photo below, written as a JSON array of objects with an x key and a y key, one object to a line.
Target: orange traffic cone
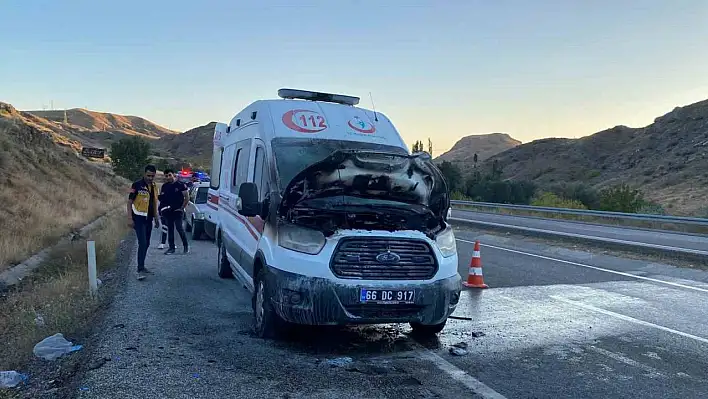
[{"x": 474, "y": 276}]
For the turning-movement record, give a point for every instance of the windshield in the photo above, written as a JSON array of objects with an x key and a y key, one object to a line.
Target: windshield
[
  {"x": 202, "y": 194},
  {"x": 292, "y": 156}
]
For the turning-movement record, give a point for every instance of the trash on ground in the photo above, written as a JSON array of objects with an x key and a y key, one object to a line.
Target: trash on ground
[
  {"x": 478, "y": 334},
  {"x": 11, "y": 379},
  {"x": 458, "y": 351},
  {"x": 39, "y": 320},
  {"x": 461, "y": 345},
  {"x": 339, "y": 361},
  {"x": 53, "y": 347}
]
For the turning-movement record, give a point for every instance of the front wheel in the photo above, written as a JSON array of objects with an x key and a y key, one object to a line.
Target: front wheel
[
  {"x": 267, "y": 323},
  {"x": 224, "y": 267},
  {"x": 427, "y": 329}
]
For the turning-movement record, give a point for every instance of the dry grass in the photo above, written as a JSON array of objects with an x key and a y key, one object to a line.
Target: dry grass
[
  {"x": 47, "y": 191},
  {"x": 58, "y": 293}
]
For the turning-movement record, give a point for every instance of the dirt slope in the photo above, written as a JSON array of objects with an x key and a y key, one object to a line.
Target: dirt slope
[
  {"x": 484, "y": 145},
  {"x": 668, "y": 159},
  {"x": 48, "y": 190},
  {"x": 100, "y": 129},
  {"x": 194, "y": 146}
]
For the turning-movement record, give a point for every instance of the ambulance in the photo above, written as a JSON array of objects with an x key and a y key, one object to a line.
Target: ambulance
[{"x": 326, "y": 217}]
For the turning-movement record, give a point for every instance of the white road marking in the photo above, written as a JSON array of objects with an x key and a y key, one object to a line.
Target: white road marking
[
  {"x": 458, "y": 374},
  {"x": 629, "y": 319},
  {"x": 651, "y": 371},
  {"x": 654, "y": 280}
]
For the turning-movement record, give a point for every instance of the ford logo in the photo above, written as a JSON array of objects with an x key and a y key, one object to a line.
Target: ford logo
[{"x": 388, "y": 257}]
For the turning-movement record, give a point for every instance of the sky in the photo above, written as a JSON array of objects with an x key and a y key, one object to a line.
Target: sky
[{"x": 439, "y": 69}]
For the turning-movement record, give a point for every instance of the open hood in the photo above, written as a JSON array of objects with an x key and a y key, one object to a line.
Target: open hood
[{"x": 409, "y": 179}]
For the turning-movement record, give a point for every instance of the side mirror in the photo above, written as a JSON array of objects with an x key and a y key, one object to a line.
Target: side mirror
[{"x": 248, "y": 196}]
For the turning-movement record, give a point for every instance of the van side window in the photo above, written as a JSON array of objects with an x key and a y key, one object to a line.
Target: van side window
[
  {"x": 216, "y": 168},
  {"x": 260, "y": 177},
  {"x": 241, "y": 164},
  {"x": 234, "y": 175}
]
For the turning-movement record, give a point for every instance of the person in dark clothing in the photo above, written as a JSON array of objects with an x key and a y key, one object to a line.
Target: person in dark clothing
[
  {"x": 174, "y": 197},
  {"x": 142, "y": 213}
]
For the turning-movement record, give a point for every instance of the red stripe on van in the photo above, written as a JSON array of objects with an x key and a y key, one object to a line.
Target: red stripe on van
[
  {"x": 251, "y": 229},
  {"x": 258, "y": 223}
]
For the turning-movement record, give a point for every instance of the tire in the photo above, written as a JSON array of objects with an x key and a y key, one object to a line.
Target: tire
[
  {"x": 187, "y": 227},
  {"x": 266, "y": 322},
  {"x": 427, "y": 329},
  {"x": 224, "y": 266},
  {"x": 197, "y": 231}
]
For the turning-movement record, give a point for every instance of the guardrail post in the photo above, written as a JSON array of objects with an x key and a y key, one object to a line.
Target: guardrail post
[{"x": 91, "y": 253}]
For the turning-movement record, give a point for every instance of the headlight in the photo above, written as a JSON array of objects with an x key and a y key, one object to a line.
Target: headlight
[
  {"x": 199, "y": 215},
  {"x": 300, "y": 239},
  {"x": 446, "y": 242}
]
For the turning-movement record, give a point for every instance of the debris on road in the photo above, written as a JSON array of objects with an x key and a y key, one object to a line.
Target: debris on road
[
  {"x": 11, "y": 379},
  {"x": 459, "y": 349},
  {"x": 477, "y": 334},
  {"x": 339, "y": 361},
  {"x": 53, "y": 347}
]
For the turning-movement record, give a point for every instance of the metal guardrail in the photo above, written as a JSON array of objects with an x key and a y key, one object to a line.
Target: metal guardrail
[
  {"x": 700, "y": 254},
  {"x": 582, "y": 212}
]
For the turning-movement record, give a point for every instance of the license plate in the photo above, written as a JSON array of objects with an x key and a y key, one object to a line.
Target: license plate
[{"x": 386, "y": 296}]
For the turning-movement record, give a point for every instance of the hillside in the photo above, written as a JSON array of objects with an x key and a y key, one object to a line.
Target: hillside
[
  {"x": 484, "y": 145},
  {"x": 100, "y": 129},
  {"x": 48, "y": 190},
  {"x": 194, "y": 145},
  {"x": 667, "y": 159}
]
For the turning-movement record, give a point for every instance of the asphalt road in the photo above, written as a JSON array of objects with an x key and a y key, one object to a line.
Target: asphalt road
[
  {"x": 554, "y": 323},
  {"x": 678, "y": 240}
]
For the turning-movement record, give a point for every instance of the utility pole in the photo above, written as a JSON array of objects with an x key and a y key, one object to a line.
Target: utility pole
[{"x": 65, "y": 118}]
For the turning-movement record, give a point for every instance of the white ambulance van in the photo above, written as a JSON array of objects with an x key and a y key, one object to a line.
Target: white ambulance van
[{"x": 327, "y": 219}]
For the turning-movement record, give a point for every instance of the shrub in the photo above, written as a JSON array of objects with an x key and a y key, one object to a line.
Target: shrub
[
  {"x": 552, "y": 200},
  {"x": 579, "y": 192},
  {"x": 453, "y": 176},
  {"x": 129, "y": 157},
  {"x": 621, "y": 198},
  {"x": 652, "y": 208},
  {"x": 458, "y": 196}
]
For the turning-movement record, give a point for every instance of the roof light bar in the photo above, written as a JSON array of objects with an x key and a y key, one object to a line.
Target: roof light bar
[{"x": 317, "y": 96}]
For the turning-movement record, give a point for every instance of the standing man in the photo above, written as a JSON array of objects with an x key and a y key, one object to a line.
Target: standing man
[
  {"x": 174, "y": 197},
  {"x": 142, "y": 212}
]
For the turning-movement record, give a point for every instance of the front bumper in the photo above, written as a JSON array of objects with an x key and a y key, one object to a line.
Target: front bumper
[{"x": 317, "y": 301}]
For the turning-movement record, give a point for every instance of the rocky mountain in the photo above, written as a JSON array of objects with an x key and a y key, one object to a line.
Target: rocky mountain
[
  {"x": 667, "y": 159},
  {"x": 100, "y": 129},
  {"x": 194, "y": 146},
  {"x": 484, "y": 145}
]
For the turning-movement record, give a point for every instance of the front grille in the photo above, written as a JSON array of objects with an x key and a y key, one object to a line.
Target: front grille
[
  {"x": 383, "y": 311},
  {"x": 355, "y": 258}
]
